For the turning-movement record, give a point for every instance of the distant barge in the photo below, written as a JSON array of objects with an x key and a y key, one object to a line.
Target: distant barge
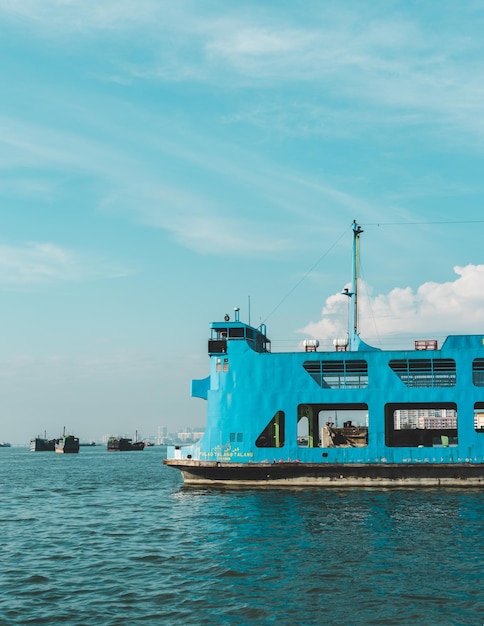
[
  {"x": 123, "y": 444},
  {"x": 42, "y": 444},
  {"x": 67, "y": 444}
]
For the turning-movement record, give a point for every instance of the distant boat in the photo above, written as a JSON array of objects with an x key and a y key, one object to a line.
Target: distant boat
[
  {"x": 42, "y": 444},
  {"x": 123, "y": 444},
  {"x": 87, "y": 443},
  {"x": 4, "y": 444},
  {"x": 67, "y": 444}
]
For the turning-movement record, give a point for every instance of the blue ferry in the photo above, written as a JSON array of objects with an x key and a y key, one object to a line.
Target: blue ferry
[{"x": 355, "y": 416}]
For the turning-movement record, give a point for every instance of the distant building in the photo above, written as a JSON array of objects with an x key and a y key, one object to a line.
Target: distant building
[
  {"x": 432, "y": 419},
  {"x": 189, "y": 435},
  {"x": 479, "y": 421}
]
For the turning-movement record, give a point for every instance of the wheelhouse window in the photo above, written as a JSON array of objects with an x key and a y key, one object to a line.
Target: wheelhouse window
[
  {"x": 425, "y": 372},
  {"x": 340, "y": 374},
  {"x": 421, "y": 425},
  {"x": 256, "y": 338}
]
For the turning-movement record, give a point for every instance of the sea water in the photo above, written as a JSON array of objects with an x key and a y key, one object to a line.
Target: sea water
[{"x": 115, "y": 538}]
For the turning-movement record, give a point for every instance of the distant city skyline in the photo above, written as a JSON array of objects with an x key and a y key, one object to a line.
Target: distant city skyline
[{"x": 162, "y": 437}]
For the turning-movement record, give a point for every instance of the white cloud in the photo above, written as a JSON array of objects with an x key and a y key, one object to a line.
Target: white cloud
[{"x": 433, "y": 310}]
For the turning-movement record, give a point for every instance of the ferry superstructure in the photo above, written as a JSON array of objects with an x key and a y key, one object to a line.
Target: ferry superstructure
[{"x": 353, "y": 416}]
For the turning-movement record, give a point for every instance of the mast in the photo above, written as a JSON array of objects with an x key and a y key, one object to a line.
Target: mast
[{"x": 354, "y": 338}]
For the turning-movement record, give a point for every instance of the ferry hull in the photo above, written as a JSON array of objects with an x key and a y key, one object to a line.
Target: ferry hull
[{"x": 325, "y": 475}]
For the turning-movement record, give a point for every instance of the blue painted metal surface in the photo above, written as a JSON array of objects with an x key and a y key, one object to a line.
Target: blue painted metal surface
[
  {"x": 256, "y": 399},
  {"x": 255, "y": 386}
]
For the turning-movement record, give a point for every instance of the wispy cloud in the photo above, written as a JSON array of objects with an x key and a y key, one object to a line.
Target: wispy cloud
[
  {"x": 66, "y": 16},
  {"x": 103, "y": 363},
  {"x": 192, "y": 213},
  {"x": 433, "y": 310},
  {"x": 392, "y": 67},
  {"x": 182, "y": 194},
  {"x": 201, "y": 223},
  {"x": 397, "y": 72},
  {"x": 41, "y": 263},
  {"x": 322, "y": 43}
]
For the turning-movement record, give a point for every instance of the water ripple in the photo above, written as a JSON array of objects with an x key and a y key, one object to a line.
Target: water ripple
[{"x": 117, "y": 540}]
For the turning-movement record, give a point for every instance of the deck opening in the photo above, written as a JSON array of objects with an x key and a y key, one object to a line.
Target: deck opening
[
  {"x": 332, "y": 425},
  {"x": 421, "y": 425},
  {"x": 274, "y": 433}
]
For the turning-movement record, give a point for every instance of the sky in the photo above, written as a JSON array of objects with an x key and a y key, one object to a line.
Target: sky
[{"x": 163, "y": 162}]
